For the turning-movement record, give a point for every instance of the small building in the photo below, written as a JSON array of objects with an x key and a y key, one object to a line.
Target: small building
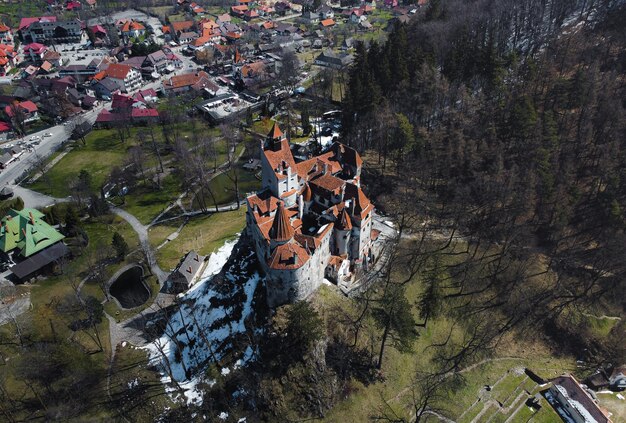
[
  {"x": 6, "y": 37},
  {"x": 330, "y": 59},
  {"x": 106, "y": 88},
  {"x": 573, "y": 402},
  {"x": 185, "y": 274},
  {"x": 132, "y": 29},
  {"x": 327, "y": 23},
  {"x": 6, "y": 191}
]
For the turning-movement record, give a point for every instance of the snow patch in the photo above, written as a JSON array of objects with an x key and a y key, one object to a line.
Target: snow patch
[
  {"x": 225, "y": 371},
  {"x": 223, "y": 415},
  {"x": 198, "y": 332}
]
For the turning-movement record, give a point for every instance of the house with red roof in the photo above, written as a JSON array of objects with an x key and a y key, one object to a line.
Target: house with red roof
[
  {"x": 132, "y": 29},
  {"x": 26, "y": 110},
  {"x": 126, "y": 77},
  {"x": 8, "y": 58},
  {"x": 73, "y": 5},
  {"x": 34, "y": 52},
  {"x": 6, "y": 36}
]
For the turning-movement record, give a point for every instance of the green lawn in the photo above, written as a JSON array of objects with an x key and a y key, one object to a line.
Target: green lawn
[
  {"x": 145, "y": 202},
  {"x": 102, "y": 152},
  {"x": 204, "y": 234},
  {"x": 222, "y": 187}
]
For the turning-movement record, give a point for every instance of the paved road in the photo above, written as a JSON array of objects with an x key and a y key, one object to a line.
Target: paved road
[{"x": 47, "y": 146}]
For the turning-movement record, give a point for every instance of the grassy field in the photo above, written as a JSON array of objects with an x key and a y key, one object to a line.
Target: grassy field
[
  {"x": 222, "y": 187},
  {"x": 101, "y": 153},
  {"x": 203, "y": 234},
  {"x": 145, "y": 203}
]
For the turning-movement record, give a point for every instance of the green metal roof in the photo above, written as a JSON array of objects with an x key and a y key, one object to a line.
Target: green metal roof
[{"x": 27, "y": 231}]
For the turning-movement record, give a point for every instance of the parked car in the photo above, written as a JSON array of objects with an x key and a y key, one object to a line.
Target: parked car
[{"x": 47, "y": 134}]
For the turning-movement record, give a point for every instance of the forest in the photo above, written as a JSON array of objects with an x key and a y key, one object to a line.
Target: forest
[
  {"x": 493, "y": 137},
  {"x": 502, "y": 123}
]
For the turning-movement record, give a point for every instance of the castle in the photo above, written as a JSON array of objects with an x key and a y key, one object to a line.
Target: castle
[{"x": 310, "y": 220}]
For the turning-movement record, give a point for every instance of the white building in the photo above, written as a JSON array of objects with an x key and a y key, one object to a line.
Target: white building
[
  {"x": 573, "y": 401},
  {"x": 127, "y": 77},
  {"x": 310, "y": 220}
]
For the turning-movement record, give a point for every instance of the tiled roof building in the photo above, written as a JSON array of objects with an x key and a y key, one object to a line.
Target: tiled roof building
[{"x": 310, "y": 220}]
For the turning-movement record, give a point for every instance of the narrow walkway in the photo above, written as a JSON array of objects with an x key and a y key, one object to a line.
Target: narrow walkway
[{"x": 142, "y": 232}]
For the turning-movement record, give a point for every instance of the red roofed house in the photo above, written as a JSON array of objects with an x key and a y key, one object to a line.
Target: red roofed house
[
  {"x": 27, "y": 111},
  {"x": 127, "y": 77},
  {"x": 186, "y": 82},
  {"x": 310, "y": 220},
  {"x": 327, "y": 23},
  {"x": 238, "y": 10},
  {"x": 8, "y": 58},
  {"x": 34, "y": 52},
  {"x": 6, "y": 37},
  {"x": 132, "y": 29}
]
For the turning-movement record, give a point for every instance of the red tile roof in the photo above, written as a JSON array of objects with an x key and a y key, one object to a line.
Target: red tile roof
[
  {"x": 118, "y": 70},
  {"x": 288, "y": 256},
  {"x": 329, "y": 183},
  {"x": 182, "y": 25},
  {"x": 327, "y": 22},
  {"x": 132, "y": 26},
  {"x": 26, "y": 22},
  {"x": 275, "y": 132},
  {"x": 280, "y": 157},
  {"x": 281, "y": 228}
]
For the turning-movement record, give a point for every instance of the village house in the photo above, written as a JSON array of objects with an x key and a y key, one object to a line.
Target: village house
[
  {"x": 6, "y": 36},
  {"x": 34, "y": 52},
  {"x": 310, "y": 220},
  {"x": 33, "y": 243},
  {"x": 8, "y": 58},
  {"x": 26, "y": 110},
  {"x": 196, "y": 81},
  {"x": 132, "y": 29},
  {"x": 185, "y": 274},
  {"x": 330, "y": 59},
  {"x": 128, "y": 78}
]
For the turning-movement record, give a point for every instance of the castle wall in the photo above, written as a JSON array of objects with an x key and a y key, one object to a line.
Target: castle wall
[{"x": 284, "y": 286}]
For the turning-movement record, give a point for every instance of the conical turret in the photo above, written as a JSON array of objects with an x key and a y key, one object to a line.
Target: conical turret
[{"x": 281, "y": 230}]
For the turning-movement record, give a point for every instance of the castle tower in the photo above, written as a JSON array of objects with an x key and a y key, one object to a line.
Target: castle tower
[
  {"x": 307, "y": 198},
  {"x": 343, "y": 227},
  {"x": 274, "y": 137},
  {"x": 281, "y": 231}
]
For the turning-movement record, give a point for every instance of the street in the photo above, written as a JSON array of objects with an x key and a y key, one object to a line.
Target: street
[{"x": 46, "y": 147}]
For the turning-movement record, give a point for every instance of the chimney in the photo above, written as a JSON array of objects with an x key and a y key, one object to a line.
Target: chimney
[
  {"x": 197, "y": 258},
  {"x": 32, "y": 219},
  {"x": 189, "y": 269}
]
